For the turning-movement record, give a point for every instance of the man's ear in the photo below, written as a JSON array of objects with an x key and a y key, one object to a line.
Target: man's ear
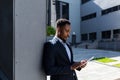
[{"x": 58, "y": 31}]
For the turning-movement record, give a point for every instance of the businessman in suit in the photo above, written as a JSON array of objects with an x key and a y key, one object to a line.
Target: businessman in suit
[{"x": 58, "y": 56}]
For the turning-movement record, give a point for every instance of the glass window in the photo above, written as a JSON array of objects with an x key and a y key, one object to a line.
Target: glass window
[
  {"x": 115, "y": 8},
  {"x": 106, "y": 34},
  {"x": 92, "y": 36},
  {"x": 89, "y": 16},
  {"x": 84, "y": 1},
  {"x": 84, "y": 37},
  {"x": 116, "y": 33},
  {"x": 109, "y": 10},
  {"x": 62, "y": 9}
]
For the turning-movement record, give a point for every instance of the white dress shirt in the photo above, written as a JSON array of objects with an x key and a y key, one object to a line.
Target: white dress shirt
[{"x": 66, "y": 47}]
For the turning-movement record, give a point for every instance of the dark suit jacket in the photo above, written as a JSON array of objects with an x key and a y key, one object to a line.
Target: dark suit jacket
[{"x": 56, "y": 62}]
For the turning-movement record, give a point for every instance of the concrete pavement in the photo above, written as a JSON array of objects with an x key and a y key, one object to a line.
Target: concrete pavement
[{"x": 94, "y": 70}]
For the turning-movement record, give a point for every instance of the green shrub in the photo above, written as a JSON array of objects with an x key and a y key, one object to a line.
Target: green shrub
[
  {"x": 117, "y": 65},
  {"x": 104, "y": 59},
  {"x": 50, "y": 31}
]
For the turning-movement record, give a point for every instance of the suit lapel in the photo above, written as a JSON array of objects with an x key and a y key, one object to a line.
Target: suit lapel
[
  {"x": 70, "y": 51},
  {"x": 64, "y": 52}
]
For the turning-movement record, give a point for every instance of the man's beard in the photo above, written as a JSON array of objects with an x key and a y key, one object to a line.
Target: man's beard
[{"x": 64, "y": 40}]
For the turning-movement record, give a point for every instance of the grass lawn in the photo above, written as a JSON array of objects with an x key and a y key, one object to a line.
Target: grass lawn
[
  {"x": 104, "y": 60},
  {"x": 117, "y": 65}
]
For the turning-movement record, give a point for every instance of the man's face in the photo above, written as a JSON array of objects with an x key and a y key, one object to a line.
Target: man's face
[{"x": 65, "y": 32}]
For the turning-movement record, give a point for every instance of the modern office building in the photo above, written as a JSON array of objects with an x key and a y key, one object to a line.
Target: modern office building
[
  {"x": 68, "y": 9},
  {"x": 92, "y": 20},
  {"x": 100, "y": 20}
]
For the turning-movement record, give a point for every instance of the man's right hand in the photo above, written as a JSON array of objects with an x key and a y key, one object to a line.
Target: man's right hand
[
  {"x": 80, "y": 64},
  {"x": 75, "y": 65}
]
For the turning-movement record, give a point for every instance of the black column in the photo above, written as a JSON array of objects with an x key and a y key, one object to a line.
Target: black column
[{"x": 6, "y": 38}]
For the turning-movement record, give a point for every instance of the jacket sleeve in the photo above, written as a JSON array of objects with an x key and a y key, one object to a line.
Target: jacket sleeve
[{"x": 49, "y": 62}]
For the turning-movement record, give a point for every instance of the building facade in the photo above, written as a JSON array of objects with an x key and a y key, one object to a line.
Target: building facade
[
  {"x": 100, "y": 20},
  {"x": 70, "y": 10}
]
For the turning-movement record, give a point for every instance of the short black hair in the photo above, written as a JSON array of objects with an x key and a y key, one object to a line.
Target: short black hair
[{"x": 62, "y": 22}]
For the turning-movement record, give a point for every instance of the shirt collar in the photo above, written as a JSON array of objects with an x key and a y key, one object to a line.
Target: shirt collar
[{"x": 59, "y": 39}]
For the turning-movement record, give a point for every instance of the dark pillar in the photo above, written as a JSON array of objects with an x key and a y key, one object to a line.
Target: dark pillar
[{"x": 6, "y": 38}]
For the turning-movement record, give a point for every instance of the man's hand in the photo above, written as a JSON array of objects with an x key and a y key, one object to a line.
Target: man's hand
[
  {"x": 80, "y": 64},
  {"x": 75, "y": 65},
  {"x": 83, "y": 63}
]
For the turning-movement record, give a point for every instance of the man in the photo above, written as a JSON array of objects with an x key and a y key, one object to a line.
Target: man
[{"x": 58, "y": 56}]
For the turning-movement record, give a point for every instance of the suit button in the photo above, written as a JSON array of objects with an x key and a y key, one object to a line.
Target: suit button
[{"x": 73, "y": 74}]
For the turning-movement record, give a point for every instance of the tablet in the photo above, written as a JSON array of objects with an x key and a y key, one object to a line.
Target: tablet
[{"x": 91, "y": 58}]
